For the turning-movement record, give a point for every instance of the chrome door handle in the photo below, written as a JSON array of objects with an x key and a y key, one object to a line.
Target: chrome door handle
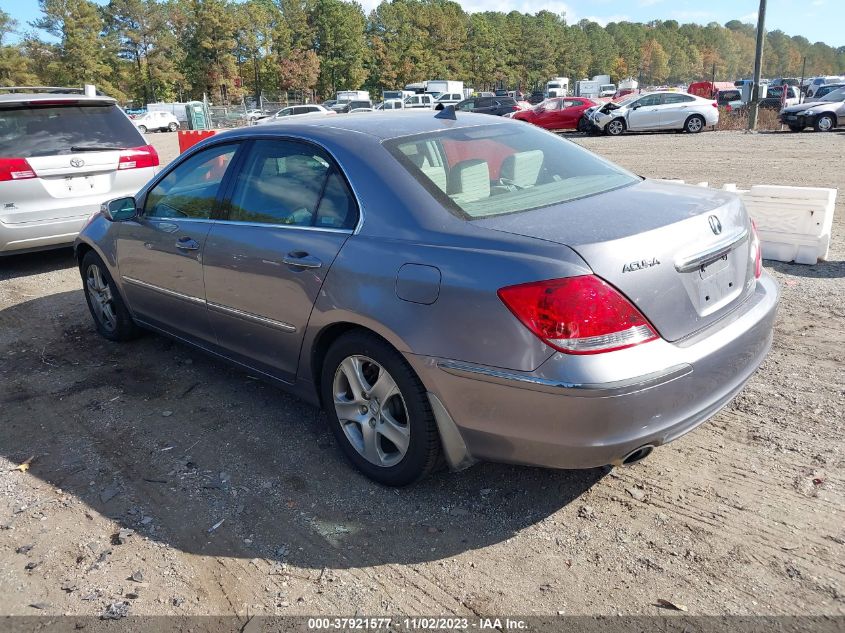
[
  {"x": 187, "y": 244},
  {"x": 301, "y": 260}
]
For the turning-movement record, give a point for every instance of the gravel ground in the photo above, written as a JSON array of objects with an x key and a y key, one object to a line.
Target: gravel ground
[{"x": 167, "y": 482}]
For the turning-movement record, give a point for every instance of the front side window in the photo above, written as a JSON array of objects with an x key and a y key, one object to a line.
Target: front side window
[
  {"x": 649, "y": 100},
  {"x": 190, "y": 189},
  {"x": 286, "y": 182},
  {"x": 485, "y": 171},
  {"x": 466, "y": 106}
]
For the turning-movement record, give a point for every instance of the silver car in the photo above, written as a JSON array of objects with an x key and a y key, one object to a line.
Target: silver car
[
  {"x": 62, "y": 154},
  {"x": 450, "y": 287},
  {"x": 656, "y": 111}
]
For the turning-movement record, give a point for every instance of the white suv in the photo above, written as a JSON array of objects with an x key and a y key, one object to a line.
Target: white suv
[
  {"x": 62, "y": 154},
  {"x": 156, "y": 122}
]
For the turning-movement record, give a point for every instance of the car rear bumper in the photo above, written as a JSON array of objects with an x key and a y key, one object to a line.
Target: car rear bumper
[
  {"x": 29, "y": 236},
  {"x": 544, "y": 418}
]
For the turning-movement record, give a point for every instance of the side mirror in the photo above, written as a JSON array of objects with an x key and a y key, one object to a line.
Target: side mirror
[{"x": 119, "y": 210}]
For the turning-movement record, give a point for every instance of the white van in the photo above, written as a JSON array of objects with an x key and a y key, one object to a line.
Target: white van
[{"x": 420, "y": 101}]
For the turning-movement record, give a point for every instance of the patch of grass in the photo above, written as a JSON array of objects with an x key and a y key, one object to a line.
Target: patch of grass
[{"x": 767, "y": 119}]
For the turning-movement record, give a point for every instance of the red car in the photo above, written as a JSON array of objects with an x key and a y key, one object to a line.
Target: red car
[{"x": 559, "y": 113}]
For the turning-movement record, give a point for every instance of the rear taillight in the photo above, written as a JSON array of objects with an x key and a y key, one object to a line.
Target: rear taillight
[
  {"x": 578, "y": 315},
  {"x": 758, "y": 252},
  {"x": 138, "y": 157},
  {"x": 15, "y": 169},
  {"x": 515, "y": 108},
  {"x": 715, "y": 105}
]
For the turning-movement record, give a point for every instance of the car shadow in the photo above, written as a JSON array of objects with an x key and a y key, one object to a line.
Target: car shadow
[
  {"x": 821, "y": 270},
  {"x": 26, "y": 264},
  {"x": 198, "y": 455}
]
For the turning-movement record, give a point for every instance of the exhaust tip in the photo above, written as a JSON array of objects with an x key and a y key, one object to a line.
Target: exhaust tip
[{"x": 637, "y": 454}]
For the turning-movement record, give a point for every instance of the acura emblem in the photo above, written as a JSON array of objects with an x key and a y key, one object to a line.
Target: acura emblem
[
  {"x": 715, "y": 225},
  {"x": 76, "y": 162}
]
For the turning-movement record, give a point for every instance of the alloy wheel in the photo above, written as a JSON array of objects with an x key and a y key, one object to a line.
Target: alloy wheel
[
  {"x": 101, "y": 296},
  {"x": 615, "y": 128},
  {"x": 371, "y": 411},
  {"x": 694, "y": 125}
]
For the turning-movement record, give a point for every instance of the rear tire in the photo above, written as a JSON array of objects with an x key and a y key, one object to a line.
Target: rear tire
[
  {"x": 173, "y": 127},
  {"x": 111, "y": 317},
  {"x": 694, "y": 124},
  {"x": 615, "y": 128},
  {"x": 378, "y": 410},
  {"x": 824, "y": 123},
  {"x": 142, "y": 129}
]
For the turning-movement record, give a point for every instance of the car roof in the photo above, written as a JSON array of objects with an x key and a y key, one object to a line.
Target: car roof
[
  {"x": 17, "y": 97},
  {"x": 386, "y": 125}
]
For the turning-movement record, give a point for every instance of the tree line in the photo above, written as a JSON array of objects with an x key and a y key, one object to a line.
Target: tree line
[{"x": 155, "y": 50}]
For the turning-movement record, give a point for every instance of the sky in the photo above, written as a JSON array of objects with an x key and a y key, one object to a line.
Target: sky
[{"x": 817, "y": 20}]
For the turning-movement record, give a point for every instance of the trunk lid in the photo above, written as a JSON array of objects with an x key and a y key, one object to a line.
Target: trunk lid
[{"x": 681, "y": 254}]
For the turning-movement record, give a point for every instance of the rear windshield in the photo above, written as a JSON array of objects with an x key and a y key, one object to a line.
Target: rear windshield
[
  {"x": 484, "y": 171},
  {"x": 46, "y": 131}
]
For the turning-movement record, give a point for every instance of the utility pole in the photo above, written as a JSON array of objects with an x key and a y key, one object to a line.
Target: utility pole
[
  {"x": 758, "y": 66},
  {"x": 801, "y": 83}
]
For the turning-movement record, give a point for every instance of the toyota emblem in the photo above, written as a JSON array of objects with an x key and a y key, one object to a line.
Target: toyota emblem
[
  {"x": 715, "y": 225},
  {"x": 76, "y": 162}
]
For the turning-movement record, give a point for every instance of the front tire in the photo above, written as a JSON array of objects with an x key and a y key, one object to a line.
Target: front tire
[
  {"x": 694, "y": 124},
  {"x": 142, "y": 129},
  {"x": 378, "y": 410},
  {"x": 173, "y": 127},
  {"x": 615, "y": 128},
  {"x": 796, "y": 128},
  {"x": 111, "y": 317},
  {"x": 824, "y": 123}
]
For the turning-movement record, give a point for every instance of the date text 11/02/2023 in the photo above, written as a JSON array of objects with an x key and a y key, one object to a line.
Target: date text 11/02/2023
[{"x": 416, "y": 623}]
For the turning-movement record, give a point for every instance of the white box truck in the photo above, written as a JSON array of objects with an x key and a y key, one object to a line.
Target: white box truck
[
  {"x": 557, "y": 87},
  {"x": 443, "y": 86},
  {"x": 352, "y": 95},
  {"x": 587, "y": 88}
]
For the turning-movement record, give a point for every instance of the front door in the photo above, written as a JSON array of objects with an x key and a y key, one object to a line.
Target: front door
[
  {"x": 160, "y": 255},
  {"x": 290, "y": 211}
]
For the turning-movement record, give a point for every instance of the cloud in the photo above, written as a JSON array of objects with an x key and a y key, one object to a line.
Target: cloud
[
  {"x": 693, "y": 16},
  {"x": 749, "y": 17},
  {"x": 604, "y": 20},
  {"x": 649, "y": 3}
]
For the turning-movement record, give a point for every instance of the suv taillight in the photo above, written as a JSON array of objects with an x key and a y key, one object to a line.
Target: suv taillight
[
  {"x": 757, "y": 250},
  {"x": 578, "y": 315},
  {"x": 138, "y": 157},
  {"x": 15, "y": 169}
]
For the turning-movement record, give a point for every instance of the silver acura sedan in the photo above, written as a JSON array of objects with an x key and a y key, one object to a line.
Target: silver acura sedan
[{"x": 450, "y": 288}]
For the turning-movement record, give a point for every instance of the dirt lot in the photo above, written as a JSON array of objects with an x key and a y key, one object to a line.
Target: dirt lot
[{"x": 240, "y": 502}]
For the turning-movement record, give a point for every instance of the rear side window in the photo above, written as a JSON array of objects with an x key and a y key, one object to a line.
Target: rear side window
[
  {"x": 285, "y": 182},
  {"x": 677, "y": 98},
  {"x": 50, "y": 130}
]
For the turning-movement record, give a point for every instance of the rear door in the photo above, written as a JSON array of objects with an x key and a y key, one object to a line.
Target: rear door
[
  {"x": 160, "y": 255},
  {"x": 289, "y": 213},
  {"x": 645, "y": 113},
  {"x": 674, "y": 110}
]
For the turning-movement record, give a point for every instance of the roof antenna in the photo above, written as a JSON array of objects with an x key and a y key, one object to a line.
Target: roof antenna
[{"x": 447, "y": 113}]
